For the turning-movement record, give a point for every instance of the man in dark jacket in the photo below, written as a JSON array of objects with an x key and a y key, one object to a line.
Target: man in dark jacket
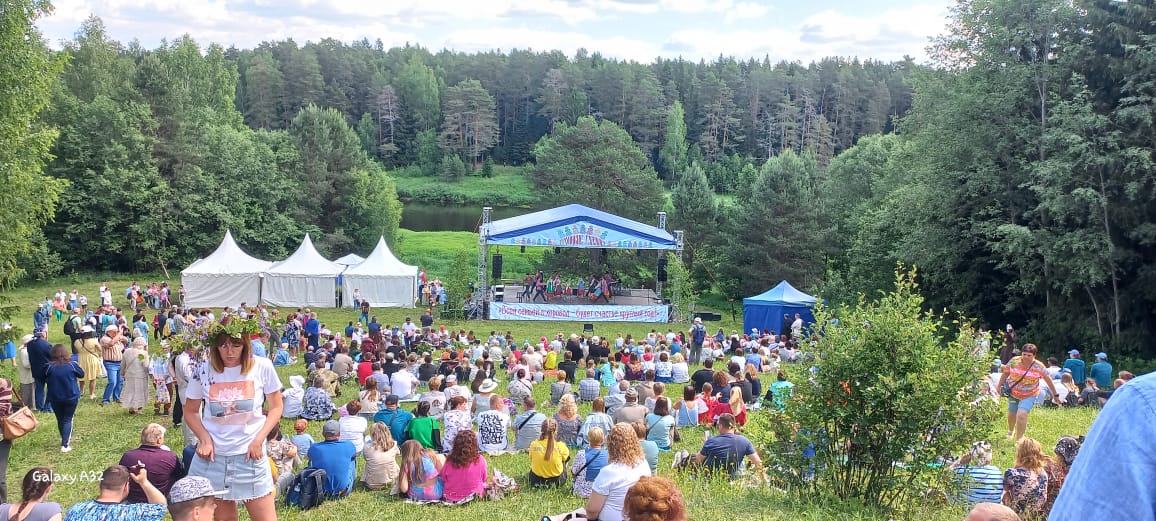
[{"x": 39, "y": 354}]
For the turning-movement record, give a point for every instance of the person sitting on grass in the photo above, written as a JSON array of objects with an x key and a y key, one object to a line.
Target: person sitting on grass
[
  {"x": 982, "y": 481},
  {"x": 464, "y": 472},
  {"x": 723, "y": 452},
  {"x": 152, "y": 453},
  {"x": 1025, "y": 486},
  {"x": 424, "y": 428},
  {"x": 380, "y": 454},
  {"x": 548, "y": 457},
  {"x": 36, "y": 486},
  {"x": 654, "y": 498},
  {"x": 337, "y": 457},
  {"x": 588, "y": 463},
  {"x": 559, "y": 389},
  {"x": 420, "y": 478},
  {"x": 317, "y": 404},
  {"x": 625, "y": 466},
  {"x": 660, "y": 424},
  {"x": 113, "y": 491}
]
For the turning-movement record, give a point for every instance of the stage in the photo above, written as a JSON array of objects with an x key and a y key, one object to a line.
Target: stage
[{"x": 626, "y": 305}]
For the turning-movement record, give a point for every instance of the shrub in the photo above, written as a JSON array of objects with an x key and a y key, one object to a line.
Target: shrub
[{"x": 892, "y": 394}]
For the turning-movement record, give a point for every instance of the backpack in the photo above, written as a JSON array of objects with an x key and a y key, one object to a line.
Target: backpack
[
  {"x": 70, "y": 328},
  {"x": 307, "y": 490}
]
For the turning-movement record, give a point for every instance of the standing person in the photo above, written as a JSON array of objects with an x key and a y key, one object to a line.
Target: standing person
[
  {"x": 1025, "y": 374},
  {"x": 135, "y": 367},
  {"x": 63, "y": 391},
  {"x": 39, "y": 357},
  {"x": 112, "y": 346},
  {"x": 24, "y": 371},
  {"x": 625, "y": 466},
  {"x": 162, "y": 381},
  {"x": 87, "y": 349},
  {"x": 182, "y": 372},
  {"x": 36, "y": 486},
  {"x": 697, "y": 333},
  {"x": 231, "y": 435},
  {"x": 1010, "y": 345}
]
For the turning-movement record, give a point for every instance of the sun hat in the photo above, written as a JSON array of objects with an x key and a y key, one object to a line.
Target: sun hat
[
  {"x": 697, "y": 320},
  {"x": 192, "y": 487},
  {"x": 110, "y": 328},
  {"x": 488, "y": 386},
  {"x": 87, "y": 329},
  {"x": 453, "y": 378}
]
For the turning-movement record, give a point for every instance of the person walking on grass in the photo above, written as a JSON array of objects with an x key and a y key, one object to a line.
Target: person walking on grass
[
  {"x": 63, "y": 391},
  {"x": 1023, "y": 375}
]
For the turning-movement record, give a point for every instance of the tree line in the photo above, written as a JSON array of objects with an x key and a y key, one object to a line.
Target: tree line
[{"x": 1014, "y": 172}]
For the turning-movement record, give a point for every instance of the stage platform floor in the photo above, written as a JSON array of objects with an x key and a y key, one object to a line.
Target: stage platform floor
[{"x": 629, "y": 297}]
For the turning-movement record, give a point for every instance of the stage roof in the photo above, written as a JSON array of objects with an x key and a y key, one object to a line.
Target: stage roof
[{"x": 577, "y": 226}]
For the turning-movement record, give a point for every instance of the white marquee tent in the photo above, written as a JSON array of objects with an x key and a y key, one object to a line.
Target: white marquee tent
[
  {"x": 227, "y": 277},
  {"x": 352, "y": 259},
  {"x": 305, "y": 279},
  {"x": 383, "y": 280}
]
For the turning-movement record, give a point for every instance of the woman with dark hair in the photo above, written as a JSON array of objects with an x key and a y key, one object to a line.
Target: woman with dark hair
[
  {"x": 424, "y": 428},
  {"x": 63, "y": 391},
  {"x": 660, "y": 424},
  {"x": 464, "y": 473},
  {"x": 233, "y": 385},
  {"x": 1023, "y": 375},
  {"x": 36, "y": 486},
  {"x": 654, "y": 498}
]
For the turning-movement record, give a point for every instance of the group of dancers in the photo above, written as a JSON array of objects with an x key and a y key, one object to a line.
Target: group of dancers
[{"x": 597, "y": 287}]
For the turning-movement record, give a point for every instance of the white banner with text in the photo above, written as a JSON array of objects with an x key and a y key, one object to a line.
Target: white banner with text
[{"x": 578, "y": 313}]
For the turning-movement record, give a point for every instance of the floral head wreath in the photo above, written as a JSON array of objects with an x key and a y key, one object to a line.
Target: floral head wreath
[{"x": 235, "y": 327}]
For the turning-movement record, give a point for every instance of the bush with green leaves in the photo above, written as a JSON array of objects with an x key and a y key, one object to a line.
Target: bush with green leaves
[{"x": 892, "y": 394}]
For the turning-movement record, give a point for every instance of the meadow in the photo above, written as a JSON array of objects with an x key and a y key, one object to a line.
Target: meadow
[
  {"x": 102, "y": 434},
  {"x": 509, "y": 186}
]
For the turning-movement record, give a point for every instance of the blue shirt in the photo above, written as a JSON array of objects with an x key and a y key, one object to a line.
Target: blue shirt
[
  {"x": 726, "y": 452},
  {"x": 303, "y": 441},
  {"x": 282, "y": 358},
  {"x": 982, "y": 484},
  {"x": 336, "y": 457},
  {"x": 1114, "y": 475},
  {"x": 1077, "y": 367},
  {"x": 259, "y": 350},
  {"x": 1101, "y": 372},
  {"x": 397, "y": 420},
  {"x": 62, "y": 385},
  {"x": 313, "y": 326}
]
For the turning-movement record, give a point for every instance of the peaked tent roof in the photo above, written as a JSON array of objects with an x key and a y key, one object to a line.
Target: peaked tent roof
[
  {"x": 784, "y": 293},
  {"x": 577, "y": 226},
  {"x": 306, "y": 261},
  {"x": 352, "y": 259},
  {"x": 382, "y": 262},
  {"x": 228, "y": 258}
]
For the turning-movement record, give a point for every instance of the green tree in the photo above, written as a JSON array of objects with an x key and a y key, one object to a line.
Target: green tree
[
  {"x": 330, "y": 154},
  {"x": 452, "y": 167},
  {"x": 304, "y": 84},
  {"x": 429, "y": 156},
  {"x": 420, "y": 92},
  {"x": 264, "y": 88},
  {"x": 695, "y": 211},
  {"x": 598, "y": 160},
  {"x": 672, "y": 157},
  {"x": 470, "y": 125}
]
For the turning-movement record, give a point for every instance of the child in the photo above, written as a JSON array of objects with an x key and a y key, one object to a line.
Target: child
[
  {"x": 282, "y": 357},
  {"x": 302, "y": 439},
  {"x": 162, "y": 381}
]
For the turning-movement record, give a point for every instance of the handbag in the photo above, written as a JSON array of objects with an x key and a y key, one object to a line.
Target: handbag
[
  {"x": 1005, "y": 391},
  {"x": 20, "y": 422}
]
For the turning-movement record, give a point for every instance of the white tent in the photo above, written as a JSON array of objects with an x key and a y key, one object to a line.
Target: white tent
[
  {"x": 304, "y": 279},
  {"x": 383, "y": 280},
  {"x": 352, "y": 259},
  {"x": 227, "y": 277}
]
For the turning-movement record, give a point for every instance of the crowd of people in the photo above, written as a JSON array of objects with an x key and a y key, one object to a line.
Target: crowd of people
[{"x": 432, "y": 407}]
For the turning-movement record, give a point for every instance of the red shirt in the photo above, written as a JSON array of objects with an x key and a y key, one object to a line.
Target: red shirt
[{"x": 364, "y": 370}]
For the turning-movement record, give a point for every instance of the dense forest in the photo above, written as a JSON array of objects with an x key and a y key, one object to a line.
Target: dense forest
[{"x": 1014, "y": 170}]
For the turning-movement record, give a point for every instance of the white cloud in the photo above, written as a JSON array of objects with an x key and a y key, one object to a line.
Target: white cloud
[
  {"x": 745, "y": 11},
  {"x": 541, "y": 40}
]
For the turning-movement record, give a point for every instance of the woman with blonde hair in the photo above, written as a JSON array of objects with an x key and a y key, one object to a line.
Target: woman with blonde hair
[
  {"x": 548, "y": 457},
  {"x": 654, "y": 498},
  {"x": 625, "y": 466},
  {"x": 87, "y": 348},
  {"x": 1025, "y": 486},
  {"x": 380, "y": 458},
  {"x": 569, "y": 423},
  {"x": 589, "y": 462}
]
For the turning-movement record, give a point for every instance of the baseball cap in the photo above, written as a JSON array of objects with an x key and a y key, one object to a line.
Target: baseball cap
[
  {"x": 1066, "y": 371},
  {"x": 452, "y": 378},
  {"x": 192, "y": 487},
  {"x": 1074, "y": 352},
  {"x": 392, "y": 399},
  {"x": 697, "y": 320},
  {"x": 87, "y": 329},
  {"x": 1102, "y": 355},
  {"x": 331, "y": 428}
]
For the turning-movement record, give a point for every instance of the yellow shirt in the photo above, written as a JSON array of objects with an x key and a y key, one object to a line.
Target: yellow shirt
[{"x": 553, "y": 467}]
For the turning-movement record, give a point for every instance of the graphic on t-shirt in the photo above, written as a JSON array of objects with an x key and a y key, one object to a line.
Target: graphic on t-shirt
[
  {"x": 491, "y": 430},
  {"x": 231, "y": 403}
]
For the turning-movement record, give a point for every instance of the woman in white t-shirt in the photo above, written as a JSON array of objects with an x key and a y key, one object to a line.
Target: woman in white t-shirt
[
  {"x": 354, "y": 425},
  {"x": 233, "y": 385},
  {"x": 623, "y": 469}
]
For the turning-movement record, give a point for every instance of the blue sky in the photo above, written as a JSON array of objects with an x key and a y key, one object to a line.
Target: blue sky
[{"x": 629, "y": 29}]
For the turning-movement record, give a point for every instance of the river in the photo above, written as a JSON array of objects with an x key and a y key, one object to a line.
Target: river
[{"x": 424, "y": 217}]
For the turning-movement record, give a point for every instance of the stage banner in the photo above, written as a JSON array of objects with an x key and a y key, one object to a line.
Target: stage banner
[{"x": 577, "y": 313}]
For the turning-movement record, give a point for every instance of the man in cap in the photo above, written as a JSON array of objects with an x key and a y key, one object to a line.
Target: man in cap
[
  {"x": 113, "y": 490},
  {"x": 632, "y": 412},
  {"x": 452, "y": 389},
  {"x": 1101, "y": 371},
  {"x": 697, "y": 334},
  {"x": 1076, "y": 365},
  {"x": 193, "y": 499},
  {"x": 39, "y": 354},
  {"x": 337, "y": 457},
  {"x": 395, "y": 418}
]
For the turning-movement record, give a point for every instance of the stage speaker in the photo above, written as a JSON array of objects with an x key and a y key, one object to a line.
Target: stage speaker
[
  {"x": 523, "y": 249},
  {"x": 662, "y": 269},
  {"x": 497, "y": 269}
]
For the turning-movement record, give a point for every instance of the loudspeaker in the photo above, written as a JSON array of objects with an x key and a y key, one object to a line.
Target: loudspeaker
[
  {"x": 523, "y": 249},
  {"x": 497, "y": 270},
  {"x": 662, "y": 269}
]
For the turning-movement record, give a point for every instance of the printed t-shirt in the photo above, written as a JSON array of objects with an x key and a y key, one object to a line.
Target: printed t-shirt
[{"x": 233, "y": 401}]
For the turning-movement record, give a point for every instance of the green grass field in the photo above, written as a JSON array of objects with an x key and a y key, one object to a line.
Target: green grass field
[
  {"x": 434, "y": 251},
  {"x": 509, "y": 186},
  {"x": 102, "y": 434}
]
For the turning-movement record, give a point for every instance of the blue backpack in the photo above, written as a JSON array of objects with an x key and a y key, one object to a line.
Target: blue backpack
[{"x": 307, "y": 489}]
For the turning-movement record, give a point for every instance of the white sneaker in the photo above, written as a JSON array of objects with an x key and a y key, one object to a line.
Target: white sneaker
[{"x": 65, "y": 449}]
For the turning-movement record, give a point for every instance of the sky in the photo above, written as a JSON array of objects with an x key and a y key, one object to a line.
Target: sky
[{"x": 639, "y": 30}]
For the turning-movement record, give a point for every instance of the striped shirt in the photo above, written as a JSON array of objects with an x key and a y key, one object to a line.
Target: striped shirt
[
  {"x": 1025, "y": 382},
  {"x": 983, "y": 484}
]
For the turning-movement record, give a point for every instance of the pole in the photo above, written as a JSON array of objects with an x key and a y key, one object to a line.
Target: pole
[{"x": 482, "y": 289}]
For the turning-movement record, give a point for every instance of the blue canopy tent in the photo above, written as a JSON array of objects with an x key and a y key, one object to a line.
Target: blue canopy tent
[
  {"x": 766, "y": 311},
  {"x": 576, "y": 226}
]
